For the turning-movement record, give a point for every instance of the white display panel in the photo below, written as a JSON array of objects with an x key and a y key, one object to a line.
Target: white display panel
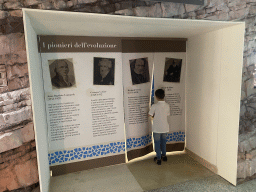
[
  {"x": 38, "y": 105},
  {"x": 230, "y": 91},
  {"x": 137, "y": 98},
  {"x": 202, "y": 95},
  {"x": 169, "y": 74},
  {"x": 85, "y": 114},
  {"x": 213, "y": 90}
]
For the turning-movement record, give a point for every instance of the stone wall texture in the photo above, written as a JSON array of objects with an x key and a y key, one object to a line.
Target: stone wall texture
[{"x": 18, "y": 164}]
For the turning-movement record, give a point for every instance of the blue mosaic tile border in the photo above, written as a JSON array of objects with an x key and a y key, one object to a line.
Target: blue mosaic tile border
[
  {"x": 111, "y": 148},
  {"x": 175, "y": 136},
  {"x": 81, "y": 153},
  {"x": 132, "y": 143}
]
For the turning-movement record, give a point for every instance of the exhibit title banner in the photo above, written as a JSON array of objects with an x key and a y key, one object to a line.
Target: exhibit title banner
[
  {"x": 52, "y": 43},
  {"x": 48, "y": 44}
]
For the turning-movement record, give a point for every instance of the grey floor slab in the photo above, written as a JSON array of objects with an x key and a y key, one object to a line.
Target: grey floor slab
[
  {"x": 106, "y": 179},
  {"x": 213, "y": 183},
  {"x": 178, "y": 168},
  {"x": 179, "y": 173}
]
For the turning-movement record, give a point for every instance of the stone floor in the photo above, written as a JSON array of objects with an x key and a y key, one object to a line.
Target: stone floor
[
  {"x": 209, "y": 184},
  {"x": 179, "y": 173}
]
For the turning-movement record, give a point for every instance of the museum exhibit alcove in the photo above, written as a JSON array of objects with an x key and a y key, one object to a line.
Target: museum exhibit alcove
[{"x": 214, "y": 67}]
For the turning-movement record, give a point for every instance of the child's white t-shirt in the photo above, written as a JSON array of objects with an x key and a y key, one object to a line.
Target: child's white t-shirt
[{"x": 160, "y": 111}]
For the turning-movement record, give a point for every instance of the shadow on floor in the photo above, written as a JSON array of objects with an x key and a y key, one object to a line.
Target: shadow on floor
[{"x": 179, "y": 168}]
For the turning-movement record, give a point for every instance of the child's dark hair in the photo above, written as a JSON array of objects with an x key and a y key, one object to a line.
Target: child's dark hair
[{"x": 160, "y": 94}]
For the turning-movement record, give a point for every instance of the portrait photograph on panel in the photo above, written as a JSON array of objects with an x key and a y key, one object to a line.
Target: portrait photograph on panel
[
  {"x": 139, "y": 70},
  {"x": 62, "y": 73},
  {"x": 172, "y": 70},
  {"x": 104, "y": 71}
]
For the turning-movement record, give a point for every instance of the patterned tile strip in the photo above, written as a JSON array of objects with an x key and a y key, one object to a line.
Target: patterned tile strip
[
  {"x": 132, "y": 143},
  {"x": 111, "y": 148},
  {"x": 145, "y": 140},
  {"x": 175, "y": 136},
  {"x": 85, "y": 152}
]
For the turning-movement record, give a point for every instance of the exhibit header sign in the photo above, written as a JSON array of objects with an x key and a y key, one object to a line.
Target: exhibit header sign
[{"x": 53, "y": 43}]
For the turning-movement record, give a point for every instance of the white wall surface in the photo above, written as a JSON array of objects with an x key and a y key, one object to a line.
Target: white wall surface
[
  {"x": 213, "y": 93},
  {"x": 202, "y": 94},
  {"x": 47, "y": 22},
  {"x": 38, "y": 104},
  {"x": 229, "y": 103}
]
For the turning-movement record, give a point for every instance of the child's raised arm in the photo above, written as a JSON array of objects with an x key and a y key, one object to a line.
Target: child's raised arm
[{"x": 151, "y": 112}]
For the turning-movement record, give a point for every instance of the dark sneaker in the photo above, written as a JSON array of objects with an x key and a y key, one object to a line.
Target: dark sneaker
[
  {"x": 164, "y": 158},
  {"x": 158, "y": 162}
]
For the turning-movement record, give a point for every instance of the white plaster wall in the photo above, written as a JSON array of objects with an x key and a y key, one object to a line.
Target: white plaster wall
[
  {"x": 202, "y": 94},
  {"x": 38, "y": 105},
  {"x": 213, "y": 90},
  {"x": 229, "y": 103}
]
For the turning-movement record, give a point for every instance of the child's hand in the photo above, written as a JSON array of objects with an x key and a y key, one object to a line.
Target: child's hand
[{"x": 151, "y": 116}]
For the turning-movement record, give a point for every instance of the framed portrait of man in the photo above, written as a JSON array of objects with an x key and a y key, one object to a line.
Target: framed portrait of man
[
  {"x": 139, "y": 70},
  {"x": 104, "y": 71},
  {"x": 172, "y": 70},
  {"x": 62, "y": 73}
]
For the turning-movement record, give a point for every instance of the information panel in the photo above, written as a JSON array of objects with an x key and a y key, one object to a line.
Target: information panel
[
  {"x": 170, "y": 76},
  {"x": 84, "y": 98},
  {"x": 98, "y": 87},
  {"x": 137, "y": 79}
]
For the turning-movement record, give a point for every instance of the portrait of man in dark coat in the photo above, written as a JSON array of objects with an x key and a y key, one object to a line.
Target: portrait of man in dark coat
[
  {"x": 139, "y": 71},
  {"x": 172, "y": 70},
  {"x": 104, "y": 69}
]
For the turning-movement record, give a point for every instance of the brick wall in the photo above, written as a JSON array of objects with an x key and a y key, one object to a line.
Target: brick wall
[
  {"x": 18, "y": 168},
  {"x": 18, "y": 164}
]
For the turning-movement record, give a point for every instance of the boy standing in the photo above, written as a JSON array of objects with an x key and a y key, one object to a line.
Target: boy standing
[{"x": 159, "y": 112}]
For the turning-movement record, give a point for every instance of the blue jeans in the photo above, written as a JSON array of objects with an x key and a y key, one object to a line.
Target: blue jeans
[{"x": 160, "y": 144}]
